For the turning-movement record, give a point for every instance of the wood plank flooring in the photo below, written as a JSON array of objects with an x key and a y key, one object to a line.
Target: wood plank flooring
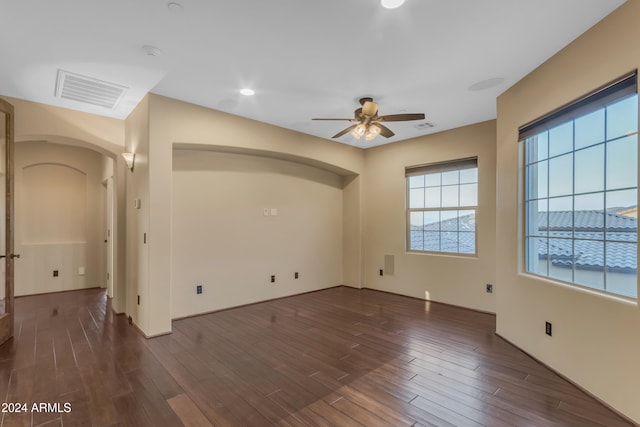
[{"x": 338, "y": 357}]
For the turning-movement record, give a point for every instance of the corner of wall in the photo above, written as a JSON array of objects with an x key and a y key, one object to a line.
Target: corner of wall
[{"x": 352, "y": 261}]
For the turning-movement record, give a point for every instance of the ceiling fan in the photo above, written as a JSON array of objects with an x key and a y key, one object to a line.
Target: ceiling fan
[{"x": 369, "y": 124}]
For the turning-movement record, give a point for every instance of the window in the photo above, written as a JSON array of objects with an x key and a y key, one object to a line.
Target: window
[
  {"x": 581, "y": 178},
  {"x": 442, "y": 200}
]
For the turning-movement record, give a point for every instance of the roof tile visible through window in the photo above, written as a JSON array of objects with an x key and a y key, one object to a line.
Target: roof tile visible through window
[
  {"x": 589, "y": 255},
  {"x": 586, "y": 220}
]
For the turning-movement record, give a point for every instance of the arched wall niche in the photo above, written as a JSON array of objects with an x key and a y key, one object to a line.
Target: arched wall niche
[{"x": 54, "y": 197}]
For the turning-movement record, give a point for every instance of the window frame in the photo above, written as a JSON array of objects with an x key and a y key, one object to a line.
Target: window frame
[
  {"x": 414, "y": 171},
  {"x": 602, "y": 97}
]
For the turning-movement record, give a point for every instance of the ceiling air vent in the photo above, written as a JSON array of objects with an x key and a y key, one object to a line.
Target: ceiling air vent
[
  {"x": 88, "y": 90},
  {"x": 425, "y": 125}
]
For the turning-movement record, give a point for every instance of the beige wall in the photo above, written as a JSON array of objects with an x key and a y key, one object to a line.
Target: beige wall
[
  {"x": 137, "y": 226},
  {"x": 59, "y": 210},
  {"x": 223, "y": 241},
  {"x": 178, "y": 123},
  {"x": 352, "y": 240},
  {"x": 39, "y": 122},
  {"x": 596, "y": 339},
  {"x": 108, "y": 168},
  {"x": 458, "y": 280}
]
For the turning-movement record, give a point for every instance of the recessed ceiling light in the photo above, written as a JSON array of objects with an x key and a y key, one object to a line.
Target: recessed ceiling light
[
  {"x": 391, "y": 4},
  {"x": 247, "y": 92}
]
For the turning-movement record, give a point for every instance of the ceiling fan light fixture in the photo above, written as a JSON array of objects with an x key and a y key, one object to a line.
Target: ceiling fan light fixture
[
  {"x": 369, "y": 124},
  {"x": 391, "y": 4},
  {"x": 372, "y": 132},
  {"x": 358, "y": 131}
]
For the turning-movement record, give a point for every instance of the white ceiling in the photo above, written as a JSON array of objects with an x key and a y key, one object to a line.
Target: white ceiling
[{"x": 303, "y": 58}]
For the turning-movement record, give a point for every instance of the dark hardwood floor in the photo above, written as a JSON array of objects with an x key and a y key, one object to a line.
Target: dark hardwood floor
[{"x": 339, "y": 357}]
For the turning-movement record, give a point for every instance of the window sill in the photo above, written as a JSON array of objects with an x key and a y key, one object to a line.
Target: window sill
[
  {"x": 580, "y": 288},
  {"x": 443, "y": 254}
]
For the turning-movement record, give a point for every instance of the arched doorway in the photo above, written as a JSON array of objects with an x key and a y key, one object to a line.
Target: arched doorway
[
  {"x": 67, "y": 202},
  {"x": 60, "y": 207}
]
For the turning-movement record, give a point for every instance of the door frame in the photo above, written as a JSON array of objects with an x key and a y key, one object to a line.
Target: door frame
[{"x": 6, "y": 319}]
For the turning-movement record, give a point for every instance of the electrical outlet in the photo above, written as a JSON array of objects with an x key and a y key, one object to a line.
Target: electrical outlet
[
  {"x": 489, "y": 288},
  {"x": 273, "y": 278},
  {"x": 198, "y": 289},
  {"x": 547, "y": 328},
  {"x": 55, "y": 273},
  {"x": 296, "y": 275},
  {"x": 381, "y": 272}
]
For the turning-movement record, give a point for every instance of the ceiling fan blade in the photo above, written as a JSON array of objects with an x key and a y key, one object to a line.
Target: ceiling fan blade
[
  {"x": 401, "y": 117},
  {"x": 348, "y": 120},
  {"x": 385, "y": 131},
  {"x": 369, "y": 108},
  {"x": 342, "y": 132}
]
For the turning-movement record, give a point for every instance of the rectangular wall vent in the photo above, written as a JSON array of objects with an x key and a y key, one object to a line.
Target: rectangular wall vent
[
  {"x": 88, "y": 90},
  {"x": 425, "y": 125},
  {"x": 390, "y": 265}
]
